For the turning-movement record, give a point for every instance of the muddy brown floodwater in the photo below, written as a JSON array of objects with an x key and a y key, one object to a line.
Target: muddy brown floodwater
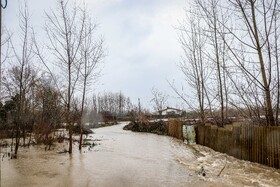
[{"x": 124, "y": 158}]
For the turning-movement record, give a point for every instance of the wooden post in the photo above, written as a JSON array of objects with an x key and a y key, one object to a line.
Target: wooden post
[
  {"x": 278, "y": 147},
  {"x": 254, "y": 143},
  {"x": 250, "y": 138},
  {"x": 263, "y": 148},
  {"x": 259, "y": 144},
  {"x": 242, "y": 142},
  {"x": 265, "y": 145},
  {"x": 247, "y": 142},
  {"x": 272, "y": 146}
]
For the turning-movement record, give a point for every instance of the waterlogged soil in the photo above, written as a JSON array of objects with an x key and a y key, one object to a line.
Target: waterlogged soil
[{"x": 125, "y": 158}]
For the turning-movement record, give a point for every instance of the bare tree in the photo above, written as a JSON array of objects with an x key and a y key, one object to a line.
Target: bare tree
[
  {"x": 215, "y": 18},
  {"x": 114, "y": 103},
  {"x": 258, "y": 17},
  {"x": 2, "y": 42},
  {"x": 65, "y": 31},
  {"x": 242, "y": 43},
  {"x": 23, "y": 76},
  {"x": 194, "y": 62},
  {"x": 4, "y": 57},
  {"x": 159, "y": 99},
  {"x": 204, "y": 62},
  {"x": 91, "y": 52},
  {"x": 276, "y": 55}
]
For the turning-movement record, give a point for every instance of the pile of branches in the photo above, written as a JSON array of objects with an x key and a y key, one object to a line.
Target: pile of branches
[{"x": 158, "y": 127}]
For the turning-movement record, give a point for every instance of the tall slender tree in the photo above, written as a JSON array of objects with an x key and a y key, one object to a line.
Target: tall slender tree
[
  {"x": 194, "y": 62},
  {"x": 65, "y": 29},
  {"x": 91, "y": 54},
  {"x": 23, "y": 75}
]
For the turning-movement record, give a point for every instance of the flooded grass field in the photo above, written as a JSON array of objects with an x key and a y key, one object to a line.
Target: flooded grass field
[{"x": 125, "y": 158}]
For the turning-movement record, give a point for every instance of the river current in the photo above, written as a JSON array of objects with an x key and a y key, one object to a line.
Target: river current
[{"x": 125, "y": 158}]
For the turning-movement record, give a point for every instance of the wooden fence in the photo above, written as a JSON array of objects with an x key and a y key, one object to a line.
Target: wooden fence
[
  {"x": 247, "y": 142},
  {"x": 175, "y": 128}
]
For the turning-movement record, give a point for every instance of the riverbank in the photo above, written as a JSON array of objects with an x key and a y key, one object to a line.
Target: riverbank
[
  {"x": 124, "y": 158},
  {"x": 156, "y": 127}
]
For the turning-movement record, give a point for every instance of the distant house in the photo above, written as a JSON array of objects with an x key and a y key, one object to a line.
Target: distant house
[{"x": 170, "y": 112}]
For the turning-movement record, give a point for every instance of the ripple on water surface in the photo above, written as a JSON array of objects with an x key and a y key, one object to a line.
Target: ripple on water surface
[{"x": 125, "y": 158}]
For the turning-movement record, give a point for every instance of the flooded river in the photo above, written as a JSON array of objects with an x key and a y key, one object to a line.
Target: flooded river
[{"x": 125, "y": 158}]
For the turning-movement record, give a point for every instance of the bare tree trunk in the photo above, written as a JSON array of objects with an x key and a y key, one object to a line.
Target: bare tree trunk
[
  {"x": 69, "y": 121},
  {"x": 218, "y": 63},
  {"x": 12, "y": 144},
  {"x": 22, "y": 75},
  {"x": 270, "y": 117},
  {"x": 194, "y": 64},
  {"x": 65, "y": 33},
  {"x": 159, "y": 100},
  {"x": 82, "y": 112},
  {"x": 30, "y": 136},
  {"x": 17, "y": 141},
  {"x": 277, "y": 72},
  {"x": 91, "y": 55},
  {"x": 0, "y": 48}
]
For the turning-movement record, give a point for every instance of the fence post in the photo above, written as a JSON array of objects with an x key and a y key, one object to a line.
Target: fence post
[
  {"x": 247, "y": 142},
  {"x": 278, "y": 147},
  {"x": 242, "y": 143},
  {"x": 258, "y": 144},
  {"x": 236, "y": 152}
]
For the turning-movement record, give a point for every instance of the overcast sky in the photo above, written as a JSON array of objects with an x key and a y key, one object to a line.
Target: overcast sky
[{"x": 140, "y": 39}]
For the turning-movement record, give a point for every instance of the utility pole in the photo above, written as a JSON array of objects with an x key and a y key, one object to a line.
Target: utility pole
[
  {"x": 0, "y": 59},
  {"x": 2, "y": 7},
  {"x": 0, "y": 81}
]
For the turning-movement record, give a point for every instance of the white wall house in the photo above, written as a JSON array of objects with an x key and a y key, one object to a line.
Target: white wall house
[{"x": 170, "y": 111}]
